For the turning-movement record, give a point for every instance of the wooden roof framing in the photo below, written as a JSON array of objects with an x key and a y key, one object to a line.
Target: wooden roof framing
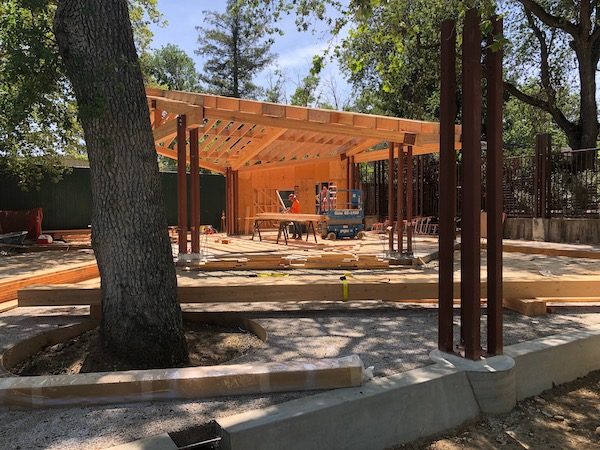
[{"x": 248, "y": 135}]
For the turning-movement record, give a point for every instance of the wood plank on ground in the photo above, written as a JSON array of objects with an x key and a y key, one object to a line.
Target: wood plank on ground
[
  {"x": 548, "y": 251},
  {"x": 82, "y": 272},
  {"x": 529, "y": 307},
  {"x": 347, "y": 290}
]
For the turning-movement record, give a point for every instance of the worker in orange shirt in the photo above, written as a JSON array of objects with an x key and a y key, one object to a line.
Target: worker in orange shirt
[{"x": 295, "y": 209}]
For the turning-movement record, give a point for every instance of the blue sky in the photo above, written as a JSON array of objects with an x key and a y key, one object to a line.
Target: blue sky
[{"x": 294, "y": 49}]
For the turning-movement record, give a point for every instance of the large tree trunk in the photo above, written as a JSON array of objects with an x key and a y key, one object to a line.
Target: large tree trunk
[{"x": 141, "y": 317}]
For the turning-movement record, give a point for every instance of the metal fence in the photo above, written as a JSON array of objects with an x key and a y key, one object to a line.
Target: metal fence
[{"x": 565, "y": 184}]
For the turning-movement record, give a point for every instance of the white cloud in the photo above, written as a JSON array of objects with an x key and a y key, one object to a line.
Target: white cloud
[{"x": 292, "y": 58}]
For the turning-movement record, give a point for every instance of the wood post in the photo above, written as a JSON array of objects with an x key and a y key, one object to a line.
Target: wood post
[
  {"x": 471, "y": 205},
  {"x": 195, "y": 190},
  {"x": 391, "y": 196},
  {"x": 447, "y": 187},
  {"x": 494, "y": 192},
  {"x": 182, "y": 204},
  {"x": 409, "y": 200},
  {"x": 400, "y": 199}
]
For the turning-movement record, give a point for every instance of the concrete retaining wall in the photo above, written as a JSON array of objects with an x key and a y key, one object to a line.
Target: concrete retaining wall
[
  {"x": 573, "y": 231},
  {"x": 546, "y": 362},
  {"x": 385, "y": 412},
  {"x": 394, "y": 410}
]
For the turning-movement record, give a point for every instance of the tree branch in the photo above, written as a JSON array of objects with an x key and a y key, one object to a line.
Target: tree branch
[
  {"x": 565, "y": 124},
  {"x": 544, "y": 55},
  {"x": 549, "y": 19}
]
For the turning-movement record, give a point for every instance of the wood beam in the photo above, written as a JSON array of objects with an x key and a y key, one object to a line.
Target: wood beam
[
  {"x": 287, "y": 163},
  {"x": 70, "y": 295}
]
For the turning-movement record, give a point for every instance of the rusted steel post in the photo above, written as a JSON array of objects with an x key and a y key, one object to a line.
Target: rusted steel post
[
  {"x": 195, "y": 190},
  {"x": 409, "y": 200},
  {"x": 182, "y": 204},
  {"x": 447, "y": 186},
  {"x": 494, "y": 192},
  {"x": 400, "y": 199},
  {"x": 471, "y": 207},
  {"x": 537, "y": 210},
  {"x": 228, "y": 198},
  {"x": 391, "y": 196},
  {"x": 548, "y": 178},
  {"x": 235, "y": 204}
]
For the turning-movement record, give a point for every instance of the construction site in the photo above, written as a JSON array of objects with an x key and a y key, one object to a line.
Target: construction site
[{"x": 361, "y": 280}]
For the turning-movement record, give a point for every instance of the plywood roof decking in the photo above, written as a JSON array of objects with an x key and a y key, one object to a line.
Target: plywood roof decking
[{"x": 247, "y": 134}]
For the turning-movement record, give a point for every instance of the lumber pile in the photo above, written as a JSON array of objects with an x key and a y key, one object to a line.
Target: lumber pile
[{"x": 286, "y": 262}]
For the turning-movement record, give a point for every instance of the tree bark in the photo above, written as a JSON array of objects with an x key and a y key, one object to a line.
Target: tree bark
[{"x": 141, "y": 317}]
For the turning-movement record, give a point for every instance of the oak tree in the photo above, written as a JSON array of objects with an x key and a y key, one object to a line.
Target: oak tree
[{"x": 141, "y": 317}]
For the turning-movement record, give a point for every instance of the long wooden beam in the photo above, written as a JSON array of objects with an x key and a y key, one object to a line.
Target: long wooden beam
[
  {"x": 262, "y": 110},
  {"x": 67, "y": 295},
  {"x": 293, "y": 162}
]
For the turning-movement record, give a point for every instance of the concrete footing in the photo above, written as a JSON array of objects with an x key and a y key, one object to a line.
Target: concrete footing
[
  {"x": 493, "y": 380},
  {"x": 390, "y": 411}
]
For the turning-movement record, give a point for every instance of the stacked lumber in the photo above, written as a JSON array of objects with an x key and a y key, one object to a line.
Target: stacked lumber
[{"x": 284, "y": 262}]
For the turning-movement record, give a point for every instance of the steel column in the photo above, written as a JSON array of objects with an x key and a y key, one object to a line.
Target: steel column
[
  {"x": 182, "y": 204},
  {"x": 493, "y": 64},
  {"x": 391, "y": 195},
  {"x": 234, "y": 207},
  {"x": 447, "y": 187},
  {"x": 228, "y": 201},
  {"x": 409, "y": 200},
  {"x": 471, "y": 206},
  {"x": 547, "y": 177},
  {"x": 400, "y": 199},
  {"x": 195, "y": 190}
]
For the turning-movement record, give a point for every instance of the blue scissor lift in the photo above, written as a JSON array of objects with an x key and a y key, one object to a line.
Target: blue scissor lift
[{"x": 345, "y": 218}]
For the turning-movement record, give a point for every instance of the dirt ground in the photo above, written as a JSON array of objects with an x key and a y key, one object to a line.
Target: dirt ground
[
  {"x": 207, "y": 345},
  {"x": 566, "y": 417}
]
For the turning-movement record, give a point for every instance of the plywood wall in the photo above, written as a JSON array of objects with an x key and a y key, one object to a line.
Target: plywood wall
[{"x": 302, "y": 178}]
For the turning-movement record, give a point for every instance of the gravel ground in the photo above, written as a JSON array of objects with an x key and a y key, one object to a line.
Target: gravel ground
[{"x": 392, "y": 338}]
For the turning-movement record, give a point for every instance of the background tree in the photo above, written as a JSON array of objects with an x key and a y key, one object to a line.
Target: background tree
[
  {"x": 170, "y": 67},
  {"x": 141, "y": 318},
  {"x": 555, "y": 52},
  {"x": 236, "y": 49},
  {"x": 275, "y": 90},
  {"x": 39, "y": 123}
]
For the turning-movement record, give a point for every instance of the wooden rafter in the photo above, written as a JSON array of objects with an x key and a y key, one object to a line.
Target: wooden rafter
[
  {"x": 172, "y": 154},
  {"x": 242, "y": 134},
  {"x": 264, "y": 143}
]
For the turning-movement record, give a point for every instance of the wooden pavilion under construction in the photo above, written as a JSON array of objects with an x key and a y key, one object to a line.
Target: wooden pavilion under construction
[{"x": 261, "y": 147}]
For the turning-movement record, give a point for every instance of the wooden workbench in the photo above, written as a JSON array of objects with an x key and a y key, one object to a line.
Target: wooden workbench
[{"x": 284, "y": 219}]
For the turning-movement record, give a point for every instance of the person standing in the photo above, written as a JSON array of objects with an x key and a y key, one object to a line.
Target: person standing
[
  {"x": 295, "y": 209},
  {"x": 324, "y": 199}
]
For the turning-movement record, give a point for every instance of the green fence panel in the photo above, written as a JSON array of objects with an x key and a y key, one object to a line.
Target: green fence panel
[{"x": 68, "y": 203}]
